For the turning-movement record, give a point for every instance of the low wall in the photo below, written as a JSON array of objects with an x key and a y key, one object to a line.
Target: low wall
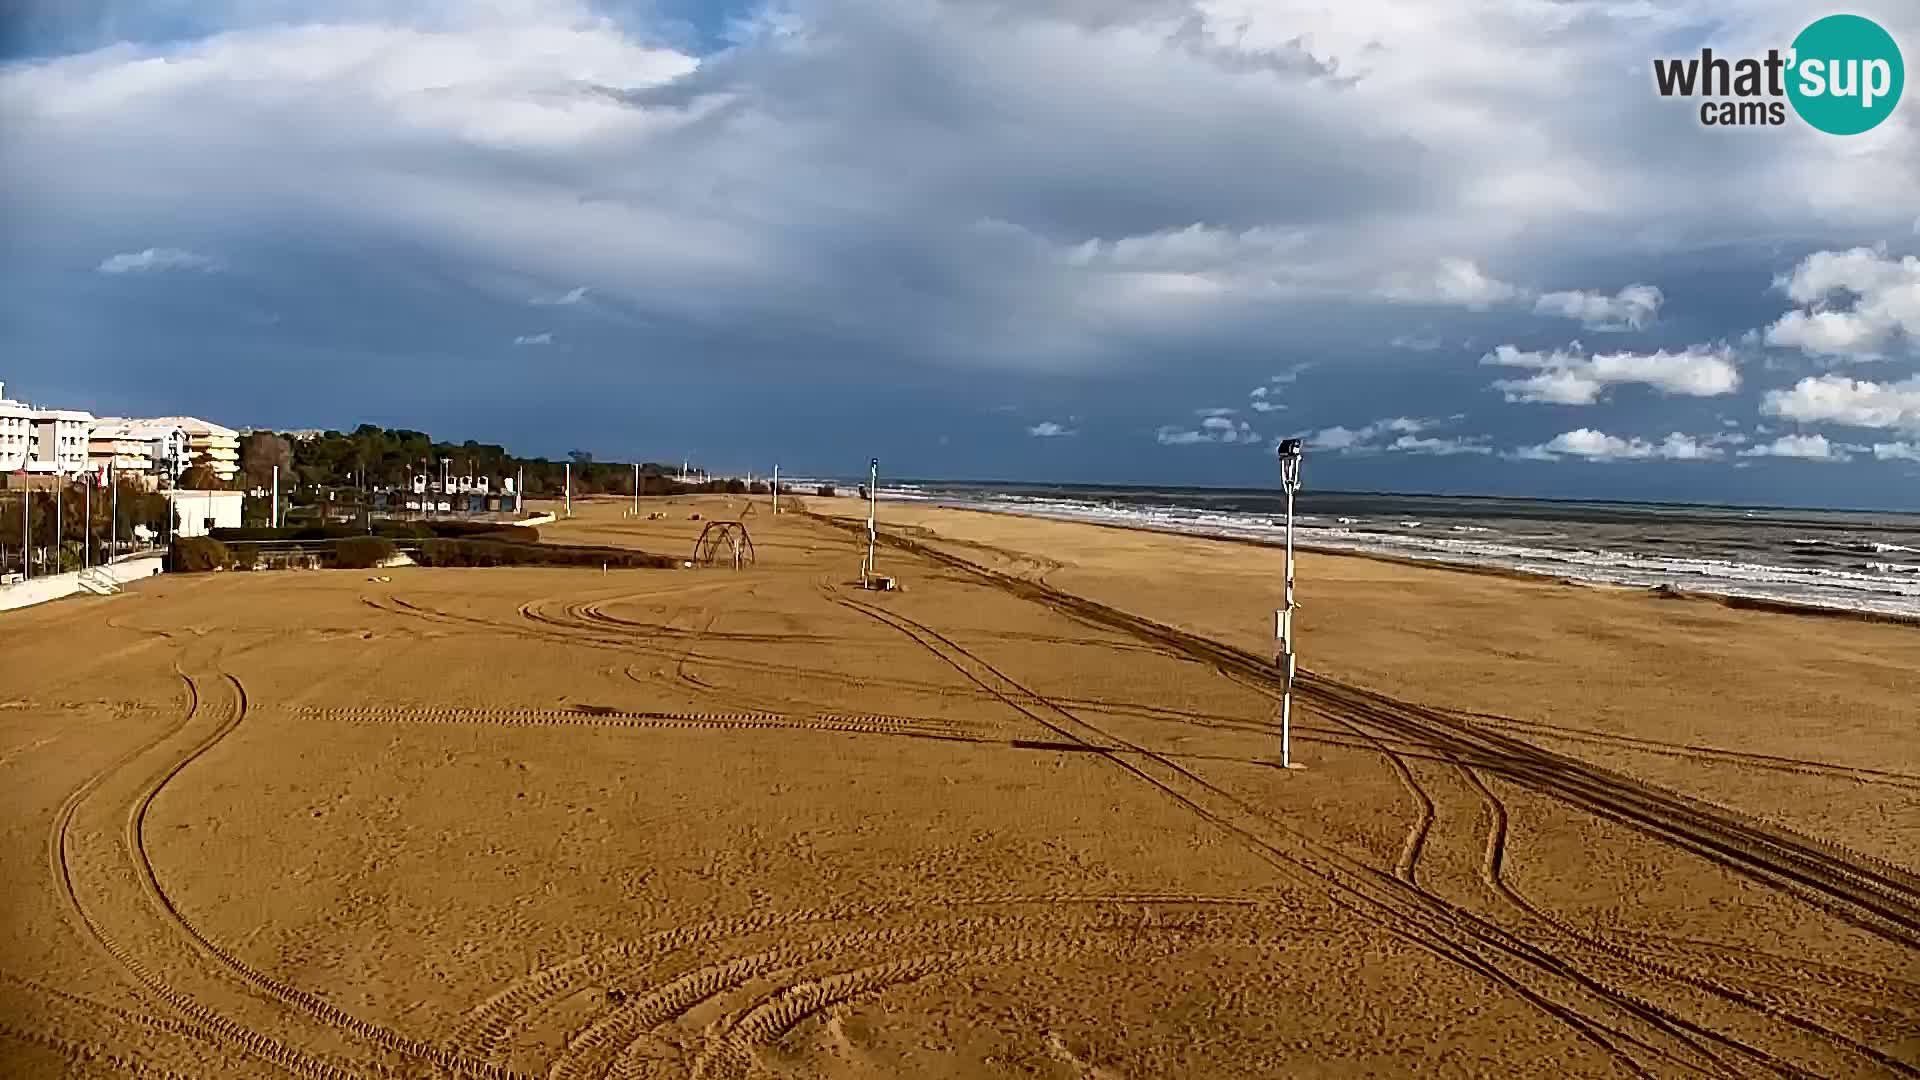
[
  {"x": 42, "y": 589},
  {"x": 543, "y": 519}
]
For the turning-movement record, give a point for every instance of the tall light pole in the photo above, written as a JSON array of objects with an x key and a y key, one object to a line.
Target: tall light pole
[
  {"x": 569, "y": 491},
  {"x": 636, "y": 489},
  {"x": 1289, "y": 480},
  {"x": 873, "y": 512},
  {"x": 776, "y": 489}
]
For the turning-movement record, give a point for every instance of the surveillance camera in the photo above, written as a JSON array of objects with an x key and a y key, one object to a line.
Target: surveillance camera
[{"x": 1289, "y": 447}]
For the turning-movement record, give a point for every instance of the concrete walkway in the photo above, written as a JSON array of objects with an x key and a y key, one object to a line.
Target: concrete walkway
[{"x": 54, "y": 586}]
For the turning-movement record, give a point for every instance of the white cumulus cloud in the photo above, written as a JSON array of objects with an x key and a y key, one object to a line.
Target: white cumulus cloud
[
  {"x": 1632, "y": 308},
  {"x": 1808, "y": 447},
  {"x": 1453, "y": 282},
  {"x": 1593, "y": 445},
  {"x": 156, "y": 259},
  {"x": 1048, "y": 429},
  {"x": 1571, "y": 377},
  {"x": 1368, "y": 438},
  {"x": 1857, "y": 403},
  {"x": 542, "y": 338},
  {"x": 1416, "y": 444},
  {"x": 1856, "y": 304},
  {"x": 1897, "y": 451},
  {"x": 1213, "y": 429}
]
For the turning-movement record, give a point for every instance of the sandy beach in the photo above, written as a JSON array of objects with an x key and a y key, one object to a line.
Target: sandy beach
[{"x": 1022, "y": 817}]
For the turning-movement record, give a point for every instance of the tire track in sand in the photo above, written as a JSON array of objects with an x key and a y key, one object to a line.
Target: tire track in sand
[
  {"x": 265, "y": 985},
  {"x": 1773, "y": 1006},
  {"x": 729, "y": 1049},
  {"x": 1869, "y": 891},
  {"x": 1493, "y": 859},
  {"x": 1590, "y": 1009},
  {"x": 596, "y": 717},
  {"x": 629, "y": 1027},
  {"x": 1406, "y": 866},
  {"x": 78, "y": 1051},
  {"x": 1813, "y": 870},
  {"x": 1825, "y": 770},
  {"x": 492, "y": 1023},
  {"x": 210, "y": 1024}
]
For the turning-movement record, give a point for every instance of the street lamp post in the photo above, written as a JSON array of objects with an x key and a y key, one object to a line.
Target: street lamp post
[
  {"x": 873, "y": 512},
  {"x": 1289, "y": 480}
]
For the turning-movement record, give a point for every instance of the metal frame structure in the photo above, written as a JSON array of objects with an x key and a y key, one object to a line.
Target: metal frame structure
[
  {"x": 1290, "y": 454},
  {"x": 730, "y": 535}
]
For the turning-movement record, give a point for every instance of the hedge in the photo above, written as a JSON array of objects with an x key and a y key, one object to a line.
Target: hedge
[
  {"x": 198, "y": 554},
  {"x": 362, "y": 552},
  {"x": 288, "y": 532},
  {"x": 488, "y": 552},
  {"x": 396, "y": 530}
]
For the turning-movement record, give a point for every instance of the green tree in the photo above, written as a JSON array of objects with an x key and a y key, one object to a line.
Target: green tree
[
  {"x": 199, "y": 476},
  {"x": 260, "y": 452}
]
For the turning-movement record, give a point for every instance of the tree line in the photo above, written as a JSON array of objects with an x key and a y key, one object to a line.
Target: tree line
[
  {"x": 84, "y": 524},
  {"x": 371, "y": 456}
]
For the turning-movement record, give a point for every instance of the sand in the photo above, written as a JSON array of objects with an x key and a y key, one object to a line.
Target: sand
[{"x": 1021, "y": 818}]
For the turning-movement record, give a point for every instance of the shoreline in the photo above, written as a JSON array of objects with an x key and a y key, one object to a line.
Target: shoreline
[{"x": 1731, "y": 601}]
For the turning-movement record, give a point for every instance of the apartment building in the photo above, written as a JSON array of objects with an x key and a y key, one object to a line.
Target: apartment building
[
  {"x": 16, "y": 433},
  {"x": 137, "y": 448},
  {"x": 53, "y": 441},
  {"x": 219, "y": 445}
]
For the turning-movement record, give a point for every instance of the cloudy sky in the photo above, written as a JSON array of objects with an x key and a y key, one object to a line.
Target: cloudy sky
[{"x": 1458, "y": 246}]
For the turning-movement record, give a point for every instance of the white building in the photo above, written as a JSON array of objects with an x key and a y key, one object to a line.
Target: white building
[
  {"x": 133, "y": 448},
  {"x": 60, "y": 441},
  {"x": 42, "y": 440},
  {"x": 16, "y": 433},
  {"x": 220, "y": 445},
  {"x": 201, "y": 512}
]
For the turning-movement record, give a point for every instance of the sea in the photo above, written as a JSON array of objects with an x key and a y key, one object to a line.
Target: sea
[{"x": 1850, "y": 560}]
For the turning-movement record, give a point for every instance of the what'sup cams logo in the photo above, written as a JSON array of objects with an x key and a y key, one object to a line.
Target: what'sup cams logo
[{"x": 1843, "y": 75}]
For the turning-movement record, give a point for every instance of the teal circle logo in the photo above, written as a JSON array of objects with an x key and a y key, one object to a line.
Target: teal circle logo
[{"x": 1846, "y": 75}]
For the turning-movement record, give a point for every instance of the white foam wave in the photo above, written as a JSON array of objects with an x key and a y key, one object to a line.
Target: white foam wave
[{"x": 1884, "y": 587}]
